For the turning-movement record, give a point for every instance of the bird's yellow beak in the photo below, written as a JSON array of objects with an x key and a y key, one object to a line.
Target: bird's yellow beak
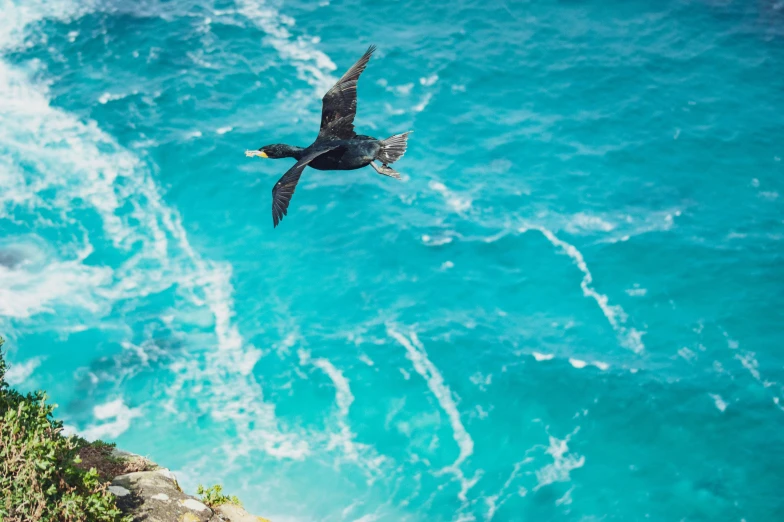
[{"x": 259, "y": 153}]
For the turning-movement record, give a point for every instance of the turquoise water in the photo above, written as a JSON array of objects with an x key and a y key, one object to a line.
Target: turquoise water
[{"x": 570, "y": 309}]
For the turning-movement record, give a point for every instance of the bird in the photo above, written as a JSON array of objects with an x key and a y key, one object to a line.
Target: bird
[{"x": 337, "y": 146}]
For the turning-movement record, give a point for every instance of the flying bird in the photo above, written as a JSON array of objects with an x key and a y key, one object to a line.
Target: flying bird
[{"x": 337, "y": 146}]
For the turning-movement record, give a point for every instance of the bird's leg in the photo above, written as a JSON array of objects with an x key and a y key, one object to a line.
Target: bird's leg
[{"x": 385, "y": 171}]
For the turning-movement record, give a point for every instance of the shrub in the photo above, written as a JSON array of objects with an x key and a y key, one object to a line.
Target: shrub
[
  {"x": 213, "y": 496},
  {"x": 39, "y": 477}
]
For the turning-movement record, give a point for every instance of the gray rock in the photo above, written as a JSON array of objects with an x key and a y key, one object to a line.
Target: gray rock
[
  {"x": 118, "y": 491},
  {"x": 234, "y": 513},
  {"x": 194, "y": 505},
  {"x": 128, "y": 456},
  {"x": 155, "y": 496},
  {"x": 120, "y": 454}
]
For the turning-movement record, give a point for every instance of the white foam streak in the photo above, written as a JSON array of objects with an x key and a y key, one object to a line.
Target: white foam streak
[
  {"x": 19, "y": 373},
  {"x": 458, "y": 203},
  {"x": 343, "y": 438},
  {"x": 494, "y": 502},
  {"x": 629, "y": 337},
  {"x": 749, "y": 361},
  {"x": 313, "y": 66},
  {"x": 542, "y": 356},
  {"x": 421, "y": 106},
  {"x": 107, "y": 97},
  {"x": 343, "y": 398},
  {"x": 563, "y": 463},
  {"x": 428, "y": 81},
  {"x": 415, "y": 352},
  {"x": 579, "y": 364},
  {"x": 117, "y": 418},
  {"x": 586, "y": 222},
  {"x": 719, "y": 402},
  {"x": 16, "y": 18},
  {"x": 26, "y": 293}
]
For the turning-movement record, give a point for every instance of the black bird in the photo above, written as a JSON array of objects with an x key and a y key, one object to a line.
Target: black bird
[{"x": 337, "y": 146}]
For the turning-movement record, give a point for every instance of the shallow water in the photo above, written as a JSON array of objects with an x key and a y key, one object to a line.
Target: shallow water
[{"x": 570, "y": 308}]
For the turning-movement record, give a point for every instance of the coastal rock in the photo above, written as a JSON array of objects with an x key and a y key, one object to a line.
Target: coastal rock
[
  {"x": 152, "y": 494},
  {"x": 126, "y": 456},
  {"x": 235, "y": 513},
  {"x": 155, "y": 496}
]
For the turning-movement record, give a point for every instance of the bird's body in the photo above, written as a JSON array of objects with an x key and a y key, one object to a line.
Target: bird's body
[
  {"x": 350, "y": 155},
  {"x": 337, "y": 146}
]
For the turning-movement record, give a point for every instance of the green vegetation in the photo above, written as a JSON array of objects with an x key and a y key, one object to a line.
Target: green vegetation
[
  {"x": 213, "y": 496},
  {"x": 40, "y": 479},
  {"x": 105, "y": 446}
]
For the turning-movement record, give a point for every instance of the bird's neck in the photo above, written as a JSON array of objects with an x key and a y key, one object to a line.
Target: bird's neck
[{"x": 289, "y": 151}]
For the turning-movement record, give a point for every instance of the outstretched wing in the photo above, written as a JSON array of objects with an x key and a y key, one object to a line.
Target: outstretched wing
[
  {"x": 339, "y": 105},
  {"x": 284, "y": 188}
]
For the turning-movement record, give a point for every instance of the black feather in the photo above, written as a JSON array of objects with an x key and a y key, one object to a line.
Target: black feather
[{"x": 339, "y": 105}]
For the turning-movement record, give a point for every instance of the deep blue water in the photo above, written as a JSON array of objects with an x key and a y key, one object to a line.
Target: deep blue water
[{"x": 571, "y": 308}]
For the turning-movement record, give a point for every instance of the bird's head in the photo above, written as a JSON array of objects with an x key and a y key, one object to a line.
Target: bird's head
[{"x": 275, "y": 151}]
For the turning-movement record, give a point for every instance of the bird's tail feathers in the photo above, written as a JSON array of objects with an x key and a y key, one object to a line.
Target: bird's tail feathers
[{"x": 393, "y": 148}]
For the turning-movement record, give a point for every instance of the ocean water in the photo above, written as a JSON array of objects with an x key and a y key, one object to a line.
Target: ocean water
[{"x": 571, "y": 308}]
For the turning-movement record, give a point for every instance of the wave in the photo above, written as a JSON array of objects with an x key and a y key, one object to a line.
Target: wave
[
  {"x": 115, "y": 417},
  {"x": 415, "y": 352},
  {"x": 579, "y": 364},
  {"x": 562, "y": 465},
  {"x": 750, "y": 363},
  {"x": 343, "y": 438},
  {"x": 458, "y": 203},
  {"x": 629, "y": 337},
  {"x": 56, "y": 169},
  {"x": 494, "y": 502},
  {"x": 20, "y": 373},
  {"x": 313, "y": 66}
]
